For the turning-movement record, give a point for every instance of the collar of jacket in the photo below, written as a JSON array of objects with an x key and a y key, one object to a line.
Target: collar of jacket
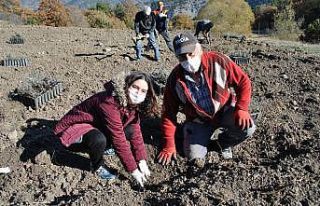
[{"x": 116, "y": 88}]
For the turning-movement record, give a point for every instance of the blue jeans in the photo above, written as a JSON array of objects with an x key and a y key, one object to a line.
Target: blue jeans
[
  {"x": 197, "y": 135},
  {"x": 151, "y": 41},
  {"x": 165, "y": 35}
]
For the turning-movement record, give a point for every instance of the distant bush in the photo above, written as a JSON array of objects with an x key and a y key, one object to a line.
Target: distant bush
[
  {"x": 104, "y": 7},
  {"x": 30, "y": 17},
  {"x": 11, "y": 6},
  {"x": 11, "y": 11},
  {"x": 119, "y": 11},
  {"x": 286, "y": 28},
  {"x": 312, "y": 32},
  {"x": 264, "y": 18},
  {"x": 119, "y": 17},
  {"x": 77, "y": 17},
  {"x": 130, "y": 9},
  {"x": 228, "y": 16},
  {"x": 182, "y": 21},
  {"x": 98, "y": 19},
  {"x": 117, "y": 23},
  {"x": 308, "y": 10},
  {"x": 53, "y": 13},
  {"x": 33, "y": 20}
]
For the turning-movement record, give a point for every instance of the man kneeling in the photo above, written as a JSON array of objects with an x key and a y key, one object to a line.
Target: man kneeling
[{"x": 213, "y": 92}]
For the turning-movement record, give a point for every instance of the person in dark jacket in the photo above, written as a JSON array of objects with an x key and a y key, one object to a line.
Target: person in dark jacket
[
  {"x": 204, "y": 26},
  {"x": 162, "y": 24},
  {"x": 112, "y": 117},
  {"x": 214, "y": 93},
  {"x": 144, "y": 25}
]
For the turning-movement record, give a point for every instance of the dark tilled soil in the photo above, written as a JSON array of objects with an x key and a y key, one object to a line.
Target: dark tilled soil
[{"x": 279, "y": 165}]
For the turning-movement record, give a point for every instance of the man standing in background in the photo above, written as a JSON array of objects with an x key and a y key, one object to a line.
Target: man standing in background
[
  {"x": 144, "y": 25},
  {"x": 161, "y": 15}
]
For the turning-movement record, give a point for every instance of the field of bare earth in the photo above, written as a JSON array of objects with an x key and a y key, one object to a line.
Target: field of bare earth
[{"x": 279, "y": 165}]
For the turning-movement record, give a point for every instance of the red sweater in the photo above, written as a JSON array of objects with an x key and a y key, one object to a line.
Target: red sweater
[
  {"x": 220, "y": 74},
  {"x": 103, "y": 112}
]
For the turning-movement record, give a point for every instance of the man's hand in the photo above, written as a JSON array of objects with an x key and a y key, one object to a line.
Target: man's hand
[
  {"x": 243, "y": 119},
  {"x": 162, "y": 15},
  {"x": 166, "y": 155}
]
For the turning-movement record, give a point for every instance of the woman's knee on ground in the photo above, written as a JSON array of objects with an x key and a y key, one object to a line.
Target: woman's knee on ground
[{"x": 96, "y": 139}]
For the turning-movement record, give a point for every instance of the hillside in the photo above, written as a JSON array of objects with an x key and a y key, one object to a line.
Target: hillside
[
  {"x": 279, "y": 165},
  {"x": 175, "y": 6},
  {"x": 33, "y": 4}
]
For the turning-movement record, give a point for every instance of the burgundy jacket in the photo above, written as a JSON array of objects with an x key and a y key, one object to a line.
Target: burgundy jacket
[
  {"x": 222, "y": 76},
  {"x": 104, "y": 113}
]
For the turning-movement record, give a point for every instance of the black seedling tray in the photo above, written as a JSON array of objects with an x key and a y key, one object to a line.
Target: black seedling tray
[
  {"x": 240, "y": 60},
  {"x": 15, "y": 62},
  {"x": 240, "y": 57},
  {"x": 40, "y": 100},
  {"x": 16, "y": 39}
]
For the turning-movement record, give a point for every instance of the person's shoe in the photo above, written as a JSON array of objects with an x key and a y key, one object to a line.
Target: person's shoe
[
  {"x": 105, "y": 174},
  {"x": 139, "y": 59},
  {"x": 109, "y": 152},
  {"x": 227, "y": 153}
]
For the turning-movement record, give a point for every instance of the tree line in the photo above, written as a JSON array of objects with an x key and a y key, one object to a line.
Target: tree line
[{"x": 285, "y": 19}]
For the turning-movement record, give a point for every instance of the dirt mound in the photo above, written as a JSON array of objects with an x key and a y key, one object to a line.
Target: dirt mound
[{"x": 279, "y": 165}]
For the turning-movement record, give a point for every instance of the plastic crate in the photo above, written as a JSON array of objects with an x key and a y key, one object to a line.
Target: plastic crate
[
  {"x": 40, "y": 100},
  {"x": 240, "y": 58},
  {"x": 15, "y": 62},
  {"x": 16, "y": 39}
]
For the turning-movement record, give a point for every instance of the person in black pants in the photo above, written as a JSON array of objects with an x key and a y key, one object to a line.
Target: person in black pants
[
  {"x": 112, "y": 117},
  {"x": 161, "y": 15}
]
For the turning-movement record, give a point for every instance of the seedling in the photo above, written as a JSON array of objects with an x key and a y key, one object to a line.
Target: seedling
[
  {"x": 240, "y": 58},
  {"x": 16, "y": 39},
  {"x": 37, "y": 92}
]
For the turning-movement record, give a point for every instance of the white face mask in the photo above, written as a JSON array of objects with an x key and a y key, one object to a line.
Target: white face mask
[
  {"x": 192, "y": 65},
  {"x": 136, "y": 98}
]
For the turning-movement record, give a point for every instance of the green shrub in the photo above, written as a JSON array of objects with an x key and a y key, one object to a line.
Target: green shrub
[
  {"x": 97, "y": 19},
  {"x": 182, "y": 21},
  {"x": 104, "y": 7},
  {"x": 33, "y": 21},
  {"x": 233, "y": 16},
  {"x": 119, "y": 12},
  {"x": 286, "y": 28},
  {"x": 130, "y": 9},
  {"x": 312, "y": 32},
  {"x": 264, "y": 18}
]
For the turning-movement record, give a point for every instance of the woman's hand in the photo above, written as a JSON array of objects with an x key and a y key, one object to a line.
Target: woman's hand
[
  {"x": 139, "y": 177},
  {"x": 144, "y": 168}
]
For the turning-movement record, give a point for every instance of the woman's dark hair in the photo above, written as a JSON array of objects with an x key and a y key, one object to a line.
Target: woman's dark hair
[{"x": 149, "y": 106}]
